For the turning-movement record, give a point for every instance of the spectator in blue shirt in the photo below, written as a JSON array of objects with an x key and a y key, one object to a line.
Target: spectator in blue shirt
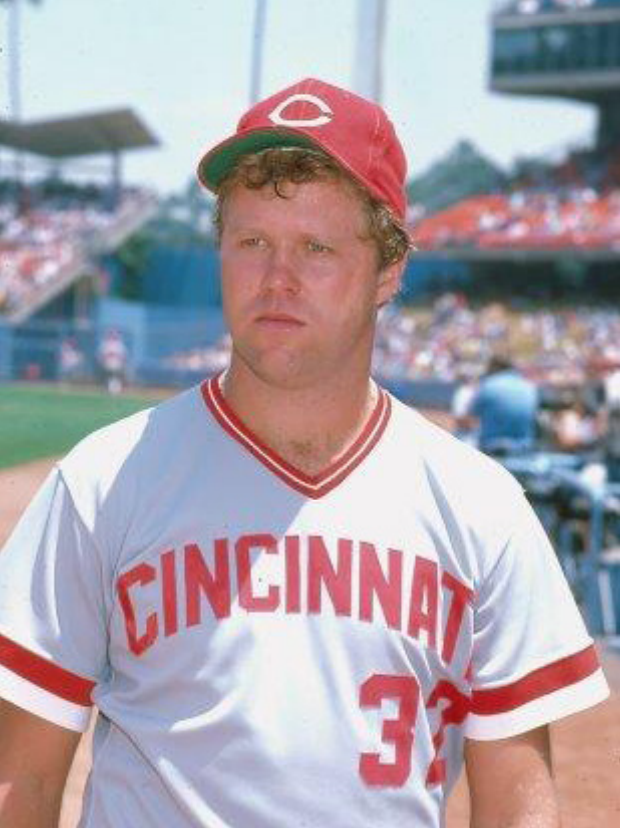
[{"x": 506, "y": 405}]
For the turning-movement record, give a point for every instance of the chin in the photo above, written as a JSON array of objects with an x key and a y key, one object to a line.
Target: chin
[
  {"x": 286, "y": 371},
  {"x": 290, "y": 368},
  {"x": 285, "y": 379}
]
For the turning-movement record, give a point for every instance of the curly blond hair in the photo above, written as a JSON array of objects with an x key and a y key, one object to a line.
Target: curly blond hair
[{"x": 297, "y": 165}]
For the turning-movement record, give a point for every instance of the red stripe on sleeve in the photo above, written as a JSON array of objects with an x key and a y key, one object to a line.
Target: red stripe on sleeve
[
  {"x": 45, "y": 674},
  {"x": 541, "y": 682}
]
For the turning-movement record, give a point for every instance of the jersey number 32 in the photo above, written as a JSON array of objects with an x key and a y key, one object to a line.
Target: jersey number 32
[{"x": 400, "y": 730}]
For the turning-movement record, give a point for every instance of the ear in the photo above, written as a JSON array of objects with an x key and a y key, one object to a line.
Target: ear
[{"x": 389, "y": 281}]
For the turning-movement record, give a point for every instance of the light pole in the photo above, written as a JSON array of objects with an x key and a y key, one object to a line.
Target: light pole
[
  {"x": 14, "y": 21},
  {"x": 14, "y": 61},
  {"x": 368, "y": 68},
  {"x": 258, "y": 37}
]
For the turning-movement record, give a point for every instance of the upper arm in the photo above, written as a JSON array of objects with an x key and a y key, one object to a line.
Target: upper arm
[
  {"x": 33, "y": 743},
  {"x": 510, "y": 781},
  {"x": 54, "y": 596},
  {"x": 35, "y": 757},
  {"x": 533, "y": 661}
]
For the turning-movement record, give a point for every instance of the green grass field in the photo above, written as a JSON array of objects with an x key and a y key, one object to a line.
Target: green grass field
[{"x": 45, "y": 421}]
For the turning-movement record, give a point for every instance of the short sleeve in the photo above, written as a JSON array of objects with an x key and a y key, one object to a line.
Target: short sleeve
[
  {"x": 533, "y": 660},
  {"x": 53, "y": 630}
]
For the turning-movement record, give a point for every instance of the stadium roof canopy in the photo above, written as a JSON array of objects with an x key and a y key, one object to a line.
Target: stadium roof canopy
[{"x": 100, "y": 132}]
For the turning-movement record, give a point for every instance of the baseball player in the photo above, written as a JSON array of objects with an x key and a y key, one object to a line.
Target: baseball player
[
  {"x": 293, "y": 600},
  {"x": 113, "y": 360}
]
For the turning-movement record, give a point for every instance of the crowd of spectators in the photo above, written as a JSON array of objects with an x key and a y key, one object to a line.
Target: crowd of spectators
[
  {"x": 35, "y": 249},
  {"x": 574, "y": 204},
  {"x": 451, "y": 341},
  {"x": 51, "y": 237},
  {"x": 203, "y": 361},
  {"x": 523, "y": 220}
]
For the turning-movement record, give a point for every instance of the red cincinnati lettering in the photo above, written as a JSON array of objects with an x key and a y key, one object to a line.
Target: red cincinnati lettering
[
  {"x": 248, "y": 598},
  {"x": 293, "y": 574},
  {"x": 321, "y": 572},
  {"x": 200, "y": 580},
  {"x": 169, "y": 593},
  {"x": 461, "y": 595},
  {"x": 424, "y": 600},
  {"x": 138, "y": 576},
  {"x": 374, "y": 582}
]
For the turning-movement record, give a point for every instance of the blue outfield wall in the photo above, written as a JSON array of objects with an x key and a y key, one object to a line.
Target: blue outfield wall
[
  {"x": 175, "y": 277},
  {"x": 183, "y": 278},
  {"x": 423, "y": 276},
  {"x": 154, "y": 333},
  {"x": 6, "y": 349},
  {"x": 127, "y": 317}
]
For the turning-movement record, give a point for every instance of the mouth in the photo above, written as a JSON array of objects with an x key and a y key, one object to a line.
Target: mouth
[{"x": 279, "y": 321}]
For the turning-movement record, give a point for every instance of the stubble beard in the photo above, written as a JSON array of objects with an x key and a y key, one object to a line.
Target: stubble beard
[{"x": 284, "y": 369}]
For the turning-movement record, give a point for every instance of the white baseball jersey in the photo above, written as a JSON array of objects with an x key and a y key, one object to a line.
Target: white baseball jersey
[{"x": 270, "y": 649}]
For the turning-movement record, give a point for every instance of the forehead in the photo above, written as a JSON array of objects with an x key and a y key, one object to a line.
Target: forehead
[{"x": 322, "y": 204}]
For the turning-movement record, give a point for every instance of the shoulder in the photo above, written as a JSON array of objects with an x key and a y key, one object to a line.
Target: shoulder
[
  {"x": 120, "y": 453},
  {"x": 466, "y": 485},
  {"x": 440, "y": 452}
]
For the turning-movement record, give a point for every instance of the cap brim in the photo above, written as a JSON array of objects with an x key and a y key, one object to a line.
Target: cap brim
[{"x": 218, "y": 162}]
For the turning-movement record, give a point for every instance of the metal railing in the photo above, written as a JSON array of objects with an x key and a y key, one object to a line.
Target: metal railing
[{"x": 582, "y": 519}]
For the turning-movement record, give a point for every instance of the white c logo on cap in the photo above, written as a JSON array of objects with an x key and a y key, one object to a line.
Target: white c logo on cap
[{"x": 326, "y": 116}]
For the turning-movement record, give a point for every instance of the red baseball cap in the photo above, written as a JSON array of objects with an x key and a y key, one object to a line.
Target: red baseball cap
[{"x": 353, "y": 131}]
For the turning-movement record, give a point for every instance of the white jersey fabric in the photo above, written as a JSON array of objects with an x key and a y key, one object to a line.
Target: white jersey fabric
[{"x": 268, "y": 649}]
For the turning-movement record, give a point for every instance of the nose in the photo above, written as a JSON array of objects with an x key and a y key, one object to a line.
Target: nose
[{"x": 281, "y": 274}]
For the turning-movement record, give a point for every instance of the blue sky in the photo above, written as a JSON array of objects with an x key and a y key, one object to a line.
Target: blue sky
[{"x": 184, "y": 66}]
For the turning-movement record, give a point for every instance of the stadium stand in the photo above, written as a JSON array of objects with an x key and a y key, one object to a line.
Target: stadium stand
[
  {"x": 554, "y": 348},
  {"x": 43, "y": 250},
  {"x": 52, "y": 233},
  {"x": 568, "y": 49},
  {"x": 536, "y": 221}
]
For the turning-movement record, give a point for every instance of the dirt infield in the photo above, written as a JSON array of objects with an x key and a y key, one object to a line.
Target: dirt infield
[{"x": 586, "y": 747}]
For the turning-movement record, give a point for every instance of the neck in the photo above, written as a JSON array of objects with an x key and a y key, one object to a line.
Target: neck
[{"x": 308, "y": 427}]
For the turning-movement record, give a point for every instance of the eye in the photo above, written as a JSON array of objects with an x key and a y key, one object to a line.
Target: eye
[
  {"x": 252, "y": 241},
  {"x": 317, "y": 247}
]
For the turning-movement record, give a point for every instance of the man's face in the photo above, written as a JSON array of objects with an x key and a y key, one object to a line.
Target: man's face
[{"x": 300, "y": 282}]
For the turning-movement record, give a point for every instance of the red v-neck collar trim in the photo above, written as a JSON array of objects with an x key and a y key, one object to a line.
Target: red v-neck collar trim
[{"x": 311, "y": 486}]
